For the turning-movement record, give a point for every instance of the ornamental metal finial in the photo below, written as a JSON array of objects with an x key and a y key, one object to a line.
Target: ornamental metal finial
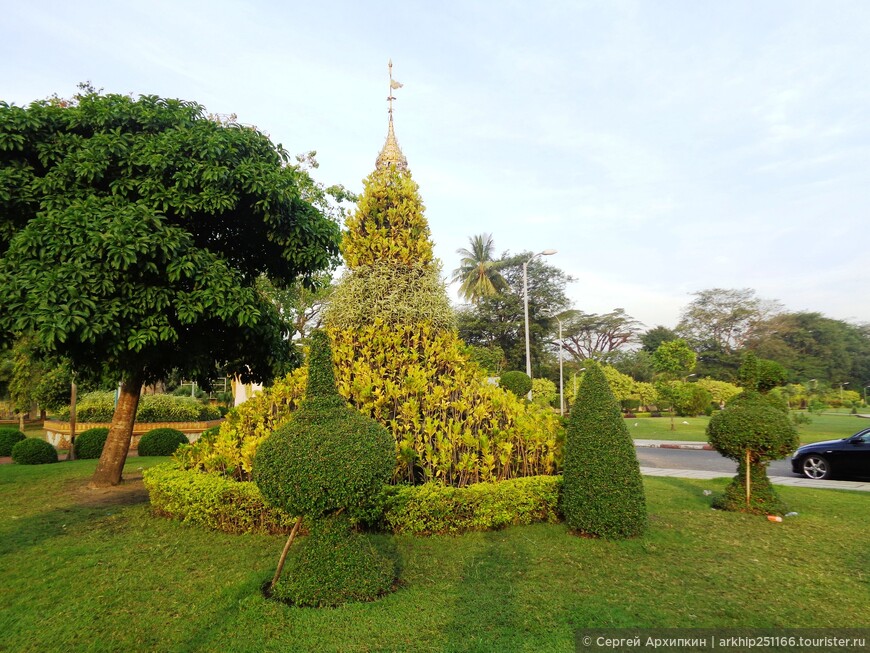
[{"x": 391, "y": 154}]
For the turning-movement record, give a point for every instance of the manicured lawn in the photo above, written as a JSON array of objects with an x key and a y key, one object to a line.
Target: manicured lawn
[
  {"x": 826, "y": 426},
  {"x": 85, "y": 571}
]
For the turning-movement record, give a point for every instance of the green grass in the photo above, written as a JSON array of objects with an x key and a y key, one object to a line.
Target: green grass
[
  {"x": 83, "y": 574},
  {"x": 825, "y": 426}
]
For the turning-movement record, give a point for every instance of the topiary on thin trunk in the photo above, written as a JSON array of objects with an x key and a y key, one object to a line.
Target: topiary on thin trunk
[
  {"x": 753, "y": 429},
  {"x": 326, "y": 464},
  {"x": 602, "y": 491},
  {"x": 517, "y": 382}
]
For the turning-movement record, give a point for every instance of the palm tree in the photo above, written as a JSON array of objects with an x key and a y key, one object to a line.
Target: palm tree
[{"x": 478, "y": 272}]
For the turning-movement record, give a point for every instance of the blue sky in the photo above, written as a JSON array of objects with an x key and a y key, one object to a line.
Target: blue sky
[{"x": 662, "y": 147}]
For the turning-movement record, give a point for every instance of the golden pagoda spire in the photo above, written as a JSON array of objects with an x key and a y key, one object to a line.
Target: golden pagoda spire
[{"x": 391, "y": 154}]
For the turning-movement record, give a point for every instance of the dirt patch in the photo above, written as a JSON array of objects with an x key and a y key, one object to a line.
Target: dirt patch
[{"x": 130, "y": 492}]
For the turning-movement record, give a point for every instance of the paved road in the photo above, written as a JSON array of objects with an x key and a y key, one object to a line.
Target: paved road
[{"x": 709, "y": 461}]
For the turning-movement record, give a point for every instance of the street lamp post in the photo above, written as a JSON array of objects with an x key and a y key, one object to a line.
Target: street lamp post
[
  {"x": 841, "y": 390},
  {"x": 546, "y": 252},
  {"x": 561, "y": 382}
]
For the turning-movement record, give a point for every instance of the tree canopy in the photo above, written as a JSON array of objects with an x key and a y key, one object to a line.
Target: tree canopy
[{"x": 132, "y": 232}]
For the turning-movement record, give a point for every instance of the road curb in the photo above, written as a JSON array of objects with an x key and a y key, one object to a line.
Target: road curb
[{"x": 671, "y": 444}]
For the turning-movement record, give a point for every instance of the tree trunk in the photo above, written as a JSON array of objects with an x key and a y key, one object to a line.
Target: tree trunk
[{"x": 108, "y": 472}]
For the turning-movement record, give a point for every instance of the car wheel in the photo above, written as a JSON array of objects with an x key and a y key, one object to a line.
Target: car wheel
[{"x": 816, "y": 467}]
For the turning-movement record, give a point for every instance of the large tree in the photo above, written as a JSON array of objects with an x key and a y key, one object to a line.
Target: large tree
[
  {"x": 478, "y": 272},
  {"x": 596, "y": 336},
  {"x": 722, "y": 320},
  {"x": 132, "y": 232},
  {"x": 499, "y": 320}
]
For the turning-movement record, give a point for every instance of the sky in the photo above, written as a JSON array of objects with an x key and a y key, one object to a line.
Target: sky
[{"x": 662, "y": 148}]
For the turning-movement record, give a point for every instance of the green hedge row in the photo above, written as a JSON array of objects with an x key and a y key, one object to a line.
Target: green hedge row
[
  {"x": 212, "y": 500},
  {"x": 217, "y": 502},
  {"x": 100, "y": 406}
]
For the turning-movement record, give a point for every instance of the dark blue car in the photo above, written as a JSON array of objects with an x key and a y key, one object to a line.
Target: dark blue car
[{"x": 841, "y": 458}]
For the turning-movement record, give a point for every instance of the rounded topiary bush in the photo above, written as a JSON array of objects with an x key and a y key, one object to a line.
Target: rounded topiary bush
[
  {"x": 517, "y": 382},
  {"x": 161, "y": 442},
  {"x": 326, "y": 464},
  {"x": 89, "y": 444},
  {"x": 752, "y": 430},
  {"x": 8, "y": 439},
  {"x": 34, "y": 451},
  {"x": 602, "y": 489}
]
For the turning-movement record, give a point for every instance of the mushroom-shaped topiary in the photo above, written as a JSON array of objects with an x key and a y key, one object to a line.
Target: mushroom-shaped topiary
[
  {"x": 752, "y": 430},
  {"x": 326, "y": 464}
]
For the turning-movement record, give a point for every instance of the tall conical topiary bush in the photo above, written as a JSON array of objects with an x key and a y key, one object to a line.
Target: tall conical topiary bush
[
  {"x": 326, "y": 464},
  {"x": 602, "y": 492}
]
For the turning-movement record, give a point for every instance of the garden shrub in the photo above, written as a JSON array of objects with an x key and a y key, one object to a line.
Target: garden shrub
[
  {"x": 9, "y": 438},
  {"x": 756, "y": 426},
  {"x": 161, "y": 442},
  {"x": 326, "y": 464},
  {"x": 544, "y": 393},
  {"x": 213, "y": 501},
  {"x": 100, "y": 407},
  {"x": 602, "y": 490},
  {"x": 517, "y": 382},
  {"x": 90, "y": 443},
  {"x": 33, "y": 451},
  {"x": 434, "y": 508}
]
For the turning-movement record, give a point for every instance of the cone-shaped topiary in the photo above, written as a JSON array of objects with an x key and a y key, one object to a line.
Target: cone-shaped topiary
[
  {"x": 602, "y": 491},
  {"x": 9, "y": 438},
  {"x": 329, "y": 459},
  {"x": 753, "y": 429}
]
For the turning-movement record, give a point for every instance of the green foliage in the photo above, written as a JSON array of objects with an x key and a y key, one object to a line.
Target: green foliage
[
  {"x": 544, "y": 392},
  {"x": 517, "y": 382},
  {"x": 602, "y": 491},
  {"x": 490, "y": 358},
  {"x": 100, "y": 406},
  {"x": 161, "y": 442},
  {"x": 388, "y": 225},
  {"x": 119, "y": 231},
  {"x": 329, "y": 457},
  {"x": 687, "y": 399},
  {"x": 89, "y": 443},
  {"x": 332, "y": 566},
  {"x": 653, "y": 338},
  {"x": 721, "y": 392},
  {"x": 9, "y": 437},
  {"x": 756, "y": 427},
  {"x": 33, "y": 451},
  {"x": 433, "y": 508},
  {"x": 396, "y": 294},
  {"x": 478, "y": 273},
  {"x": 212, "y": 501},
  {"x": 674, "y": 358}
]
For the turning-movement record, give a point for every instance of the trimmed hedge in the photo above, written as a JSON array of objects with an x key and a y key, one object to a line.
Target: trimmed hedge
[
  {"x": 34, "y": 451},
  {"x": 9, "y": 438},
  {"x": 220, "y": 503},
  {"x": 100, "y": 406},
  {"x": 161, "y": 442},
  {"x": 432, "y": 508},
  {"x": 213, "y": 501},
  {"x": 89, "y": 444}
]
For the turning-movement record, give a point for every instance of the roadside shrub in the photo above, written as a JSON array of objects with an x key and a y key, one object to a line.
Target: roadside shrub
[
  {"x": 544, "y": 392},
  {"x": 89, "y": 443},
  {"x": 602, "y": 490},
  {"x": 517, "y": 382},
  {"x": 437, "y": 509},
  {"x": 161, "y": 442},
  {"x": 326, "y": 464},
  {"x": 212, "y": 500},
  {"x": 8, "y": 439},
  {"x": 752, "y": 430},
  {"x": 33, "y": 451}
]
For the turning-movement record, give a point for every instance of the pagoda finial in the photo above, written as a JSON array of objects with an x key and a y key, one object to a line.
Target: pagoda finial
[{"x": 391, "y": 154}]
